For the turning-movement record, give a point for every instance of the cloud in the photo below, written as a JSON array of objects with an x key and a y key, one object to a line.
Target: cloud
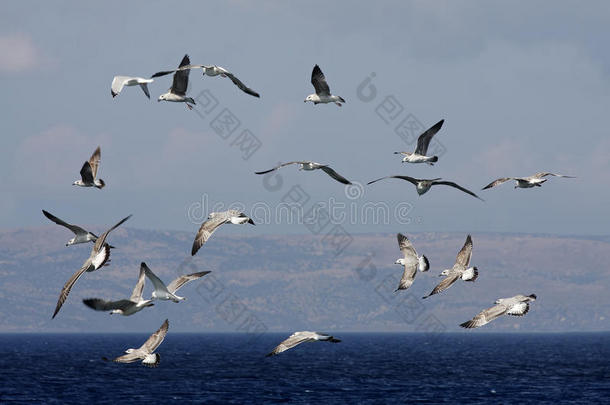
[{"x": 18, "y": 53}]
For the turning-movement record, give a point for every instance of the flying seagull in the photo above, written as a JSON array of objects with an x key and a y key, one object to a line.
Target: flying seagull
[
  {"x": 146, "y": 351},
  {"x": 423, "y": 185},
  {"x": 177, "y": 93},
  {"x": 123, "y": 307},
  {"x": 301, "y": 337},
  {"x": 460, "y": 269},
  {"x": 307, "y": 165},
  {"x": 515, "y": 306},
  {"x": 322, "y": 94},
  {"x": 163, "y": 292},
  {"x": 419, "y": 156},
  {"x": 535, "y": 180},
  {"x": 89, "y": 171},
  {"x": 212, "y": 70},
  {"x": 411, "y": 262},
  {"x": 119, "y": 81},
  {"x": 100, "y": 256},
  {"x": 80, "y": 235},
  {"x": 215, "y": 219}
]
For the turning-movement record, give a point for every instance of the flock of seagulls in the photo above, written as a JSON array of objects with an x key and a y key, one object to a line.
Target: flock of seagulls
[{"x": 411, "y": 261}]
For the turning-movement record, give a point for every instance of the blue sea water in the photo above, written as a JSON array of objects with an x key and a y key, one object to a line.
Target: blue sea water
[{"x": 363, "y": 368}]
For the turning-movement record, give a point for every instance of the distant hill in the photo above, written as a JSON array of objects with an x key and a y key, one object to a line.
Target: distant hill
[{"x": 294, "y": 282}]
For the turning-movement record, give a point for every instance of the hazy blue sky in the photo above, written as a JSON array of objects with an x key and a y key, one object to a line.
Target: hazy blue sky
[{"x": 523, "y": 87}]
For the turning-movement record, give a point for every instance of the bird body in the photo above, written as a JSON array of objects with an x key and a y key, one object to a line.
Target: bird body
[
  {"x": 118, "y": 82},
  {"x": 309, "y": 166},
  {"x": 322, "y": 94},
  {"x": 215, "y": 220},
  {"x": 99, "y": 256},
  {"x": 301, "y": 337},
  {"x": 88, "y": 172},
  {"x": 423, "y": 141},
  {"x": 163, "y": 292},
  {"x": 146, "y": 351},
  {"x": 177, "y": 93},
  {"x": 460, "y": 270},
  {"x": 423, "y": 185},
  {"x": 535, "y": 180},
  {"x": 515, "y": 306},
  {"x": 410, "y": 261}
]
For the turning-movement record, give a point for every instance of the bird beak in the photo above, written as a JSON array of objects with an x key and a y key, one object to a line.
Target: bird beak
[
  {"x": 304, "y": 101},
  {"x": 440, "y": 275}
]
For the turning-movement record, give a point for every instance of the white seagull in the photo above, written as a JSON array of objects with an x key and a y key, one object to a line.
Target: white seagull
[
  {"x": 322, "y": 94},
  {"x": 80, "y": 235},
  {"x": 119, "y": 81},
  {"x": 100, "y": 256},
  {"x": 411, "y": 262},
  {"x": 215, "y": 219},
  {"x": 88, "y": 172},
  {"x": 419, "y": 156},
  {"x": 123, "y": 307},
  {"x": 213, "y": 70},
  {"x": 423, "y": 185},
  {"x": 515, "y": 306},
  {"x": 535, "y": 180},
  {"x": 308, "y": 166},
  {"x": 301, "y": 337},
  {"x": 163, "y": 292},
  {"x": 459, "y": 270},
  {"x": 146, "y": 351},
  {"x": 177, "y": 93}
]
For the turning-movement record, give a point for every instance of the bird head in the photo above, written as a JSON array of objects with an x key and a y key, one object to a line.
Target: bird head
[
  {"x": 444, "y": 273},
  {"x": 400, "y": 261},
  {"x": 162, "y": 97}
]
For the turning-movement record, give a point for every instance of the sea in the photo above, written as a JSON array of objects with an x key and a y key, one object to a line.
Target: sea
[{"x": 447, "y": 368}]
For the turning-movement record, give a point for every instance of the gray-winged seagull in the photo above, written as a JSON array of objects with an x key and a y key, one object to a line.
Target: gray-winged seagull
[
  {"x": 119, "y": 81},
  {"x": 123, "y": 307},
  {"x": 163, "y": 292},
  {"x": 459, "y": 270},
  {"x": 419, "y": 156},
  {"x": 301, "y": 337},
  {"x": 80, "y": 235},
  {"x": 423, "y": 185},
  {"x": 88, "y": 172},
  {"x": 213, "y": 70},
  {"x": 177, "y": 93},
  {"x": 146, "y": 351},
  {"x": 215, "y": 219},
  {"x": 411, "y": 262},
  {"x": 100, "y": 256},
  {"x": 515, "y": 306},
  {"x": 308, "y": 166},
  {"x": 322, "y": 94},
  {"x": 535, "y": 180}
]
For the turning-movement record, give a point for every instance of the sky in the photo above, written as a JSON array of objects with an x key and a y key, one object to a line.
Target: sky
[{"x": 523, "y": 87}]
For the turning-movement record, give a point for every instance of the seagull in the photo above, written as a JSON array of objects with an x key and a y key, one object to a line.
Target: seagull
[
  {"x": 81, "y": 235},
  {"x": 419, "y": 156},
  {"x": 145, "y": 352},
  {"x": 177, "y": 93},
  {"x": 306, "y": 165},
  {"x": 100, "y": 256},
  {"x": 123, "y": 307},
  {"x": 516, "y": 306},
  {"x": 163, "y": 292},
  {"x": 411, "y": 262},
  {"x": 89, "y": 171},
  {"x": 119, "y": 81},
  {"x": 322, "y": 94},
  {"x": 212, "y": 70},
  {"x": 460, "y": 269},
  {"x": 423, "y": 185},
  {"x": 301, "y": 337},
  {"x": 215, "y": 219},
  {"x": 535, "y": 180}
]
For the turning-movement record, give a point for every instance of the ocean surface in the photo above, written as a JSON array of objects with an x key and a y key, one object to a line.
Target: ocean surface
[{"x": 363, "y": 368}]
